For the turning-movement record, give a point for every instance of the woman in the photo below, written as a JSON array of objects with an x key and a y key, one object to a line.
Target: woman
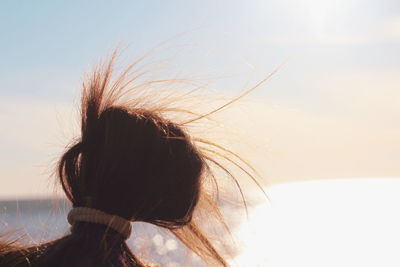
[{"x": 129, "y": 164}]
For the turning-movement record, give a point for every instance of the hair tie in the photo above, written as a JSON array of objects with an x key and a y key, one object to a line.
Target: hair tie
[{"x": 117, "y": 223}]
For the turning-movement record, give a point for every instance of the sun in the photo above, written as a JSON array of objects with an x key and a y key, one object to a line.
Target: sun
[{"x": 324, "y": 14}]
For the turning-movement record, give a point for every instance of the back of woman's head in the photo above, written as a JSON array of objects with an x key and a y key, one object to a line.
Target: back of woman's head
[{"x": 130, "y": 162}]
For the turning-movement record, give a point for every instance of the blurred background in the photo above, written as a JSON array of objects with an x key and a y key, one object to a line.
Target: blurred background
[{"x": 323, "y": 131}]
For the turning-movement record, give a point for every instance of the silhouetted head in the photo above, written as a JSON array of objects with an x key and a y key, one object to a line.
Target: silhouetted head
[{"x": 134, "y": 164}]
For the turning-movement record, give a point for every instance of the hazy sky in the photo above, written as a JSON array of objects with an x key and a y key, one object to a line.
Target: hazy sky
[{"x": 332, "y": 111}]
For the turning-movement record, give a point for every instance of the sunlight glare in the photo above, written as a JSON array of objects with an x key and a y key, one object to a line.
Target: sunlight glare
[
  {"x": 322, "y": 12},
  {"x": 343, "y": 222}
]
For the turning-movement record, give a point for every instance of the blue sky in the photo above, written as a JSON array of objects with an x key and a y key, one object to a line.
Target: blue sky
[
  {"x": 341, "y": 77},
  {"x": 63, "y": 38}
]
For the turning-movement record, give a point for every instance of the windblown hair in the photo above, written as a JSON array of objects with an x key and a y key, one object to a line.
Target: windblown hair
[{"x": 132, "y": 162}]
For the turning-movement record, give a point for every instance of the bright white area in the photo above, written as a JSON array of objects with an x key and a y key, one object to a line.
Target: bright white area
[{"x": 342, "y": 222}]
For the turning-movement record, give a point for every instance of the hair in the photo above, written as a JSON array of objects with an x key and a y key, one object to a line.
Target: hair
[{"x": 132, "y": 162}]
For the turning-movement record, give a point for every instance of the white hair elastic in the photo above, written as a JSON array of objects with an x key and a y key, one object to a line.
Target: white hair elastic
[{"x": 83, "y": 214}]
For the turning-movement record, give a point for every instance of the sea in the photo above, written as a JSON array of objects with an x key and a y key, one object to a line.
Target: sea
[
  {"x": 330, "y": 223},
  {"x": 34, "y": 221}
]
